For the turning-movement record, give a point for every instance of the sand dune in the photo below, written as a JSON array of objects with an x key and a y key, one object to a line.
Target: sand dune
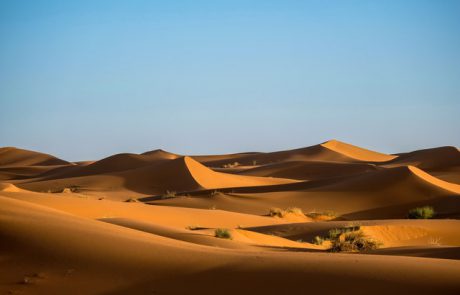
[
  {"x": 178, "y": 175},
  {"x": 127, "y": 260},
  {"x": 330, "y": 151},
  {"x": 305, "y": 170},
  {"x": 142, "y": 223},
  {"x": 10, "y": 156},
  {"x": 430, "y": 159},
  {"x": 8, "y": 187}
]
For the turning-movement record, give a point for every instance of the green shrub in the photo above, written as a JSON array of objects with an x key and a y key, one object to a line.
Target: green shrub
[
  {"x": 426, "y": 212},
  {"x": 223, "y": 233}
]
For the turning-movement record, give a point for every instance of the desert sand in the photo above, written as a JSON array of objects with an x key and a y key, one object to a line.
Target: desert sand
[{"x": 146, "y": 223}]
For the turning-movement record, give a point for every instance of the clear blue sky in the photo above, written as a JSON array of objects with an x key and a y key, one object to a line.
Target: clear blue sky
[{"x": 86, "y": 79}]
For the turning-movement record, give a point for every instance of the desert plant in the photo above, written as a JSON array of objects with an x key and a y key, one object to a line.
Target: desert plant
[
  {"x": 353, "y": 241},
  {"x": 231, "y": 165},
  {"x": 318, "y": 240},
  {"x": 223, "y": 233},
  {"x": 334, "y": 233},
  {"x": 295, "y": 210},
  {"x": 276, "y": 212},
  {"x": 169, "y": 195},
  {"x": 425, "y": 212},
  {"x": 321, "y": 215}
]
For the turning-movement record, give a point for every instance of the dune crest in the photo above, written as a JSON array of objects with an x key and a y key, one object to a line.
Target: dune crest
[
  {"x": 355, "y": 152},
  {"x": 210, "y": 179}
]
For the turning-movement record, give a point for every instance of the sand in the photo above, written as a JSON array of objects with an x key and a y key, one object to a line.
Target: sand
[{"x": 145, "y": 223}]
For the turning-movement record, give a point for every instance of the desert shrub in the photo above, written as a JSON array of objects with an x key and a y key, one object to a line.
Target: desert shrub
[
  {"x": 347, "y": 239},
  {"x": 318, "y": 240},
  {"x": 425, "y": 212},
  {"x": 353, "y": 241},
  {"x": 334, "y": 233},
  {"x": 223, "y": 233},
  {"x": 169, "y": 195},
  {"x": 231, "y": 165},
  {"x": 322, "y": 215},
  {"x": 295, "y": 210},
  {"x": 276, "y": 212}
]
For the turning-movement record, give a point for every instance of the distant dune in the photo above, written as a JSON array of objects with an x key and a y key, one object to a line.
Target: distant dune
[{"x": 250, "y": 223}]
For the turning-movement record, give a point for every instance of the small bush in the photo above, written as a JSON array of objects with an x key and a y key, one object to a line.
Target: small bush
[
  {"x": 223, "y": 233},
  {"x": 326, "y": 215},
  {"x": 334, "y": 233},
  {"x": 426, "y": 212},
  {"x": 276, "y": 212},
  {"x": 169, "y": 195},
  {"x": 318, "y": 240},
  {"x": 353, "y": 241},
  {"x": 295, "y": 210},
  {"x": 231, "y": 165}
]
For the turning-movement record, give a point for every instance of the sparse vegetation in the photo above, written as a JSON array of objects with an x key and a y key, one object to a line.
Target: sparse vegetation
[
  {"x": 231, "y": 165},
  {"x": 347, "y": 239},
  {"x": 223, "y": 233},
  {"x": 425, "y": 212},
  {"x": 277, "y": 212},
  {"x": 353, "y": 241},
  {"x": 295, "y": 210},
  {"x": 318, "y": 240},
  {"x": 325, "y": 215},
  {"x": 169, "y": 195}
]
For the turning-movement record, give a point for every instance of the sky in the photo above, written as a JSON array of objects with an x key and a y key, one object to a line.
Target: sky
[{"x": 87, "y": 79}]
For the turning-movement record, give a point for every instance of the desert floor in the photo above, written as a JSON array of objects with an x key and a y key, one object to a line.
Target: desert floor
[{"x": 146, "y": 223}]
